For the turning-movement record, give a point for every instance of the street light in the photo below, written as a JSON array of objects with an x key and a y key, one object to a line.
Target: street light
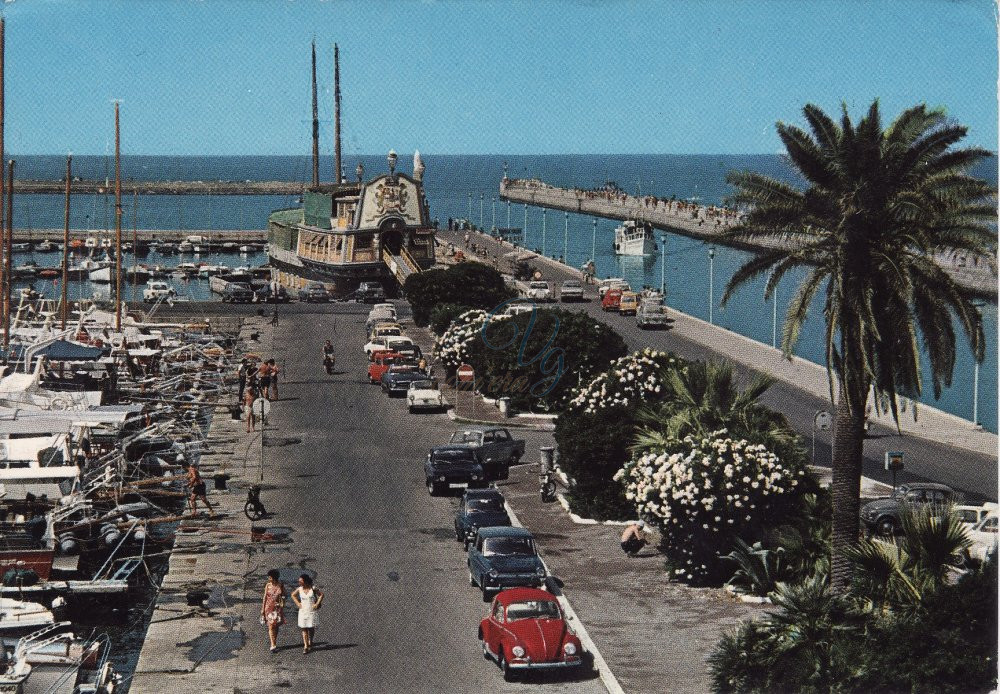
[
  {"x": 482, "y": 197},
  {"x": 663, "y": 266},
  {"x": 566, "y": 240},
  {"x": 508, "y": 214},
  {"x": 711, "y": 285},
  {"x": 975, "y": 373},
  {"x": 493, "y": 200},
  {"x": 593, "y": 243},
  {"x": 543, "y": 231},
  {"x": 470, "y": 206},
  {"x": 391, "y": 158},
  {"x": 524, "y": 233}
]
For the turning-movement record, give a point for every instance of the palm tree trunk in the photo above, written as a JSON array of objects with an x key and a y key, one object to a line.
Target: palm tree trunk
[{"x": 848, "y": 454}]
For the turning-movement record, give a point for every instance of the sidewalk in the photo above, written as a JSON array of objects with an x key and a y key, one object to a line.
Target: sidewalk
[{"x": 932, "y": 424}]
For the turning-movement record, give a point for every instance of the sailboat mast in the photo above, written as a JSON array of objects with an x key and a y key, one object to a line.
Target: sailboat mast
[
  {"x": 118, "y": 226},
  {"x": 135, "y": 241},
  {"x": 65, "y": 258},
  {"x": 315, "y": 105},
  {"x": 3, "y": 184},
  {"x": 7, "y": 263},
  {"x": 338, "y": 172}
]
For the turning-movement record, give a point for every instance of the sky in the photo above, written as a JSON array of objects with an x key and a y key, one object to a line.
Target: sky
[{"x": 548, "y": 77}]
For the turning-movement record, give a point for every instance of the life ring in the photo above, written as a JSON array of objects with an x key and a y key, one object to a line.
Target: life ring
[{"x": 59, "y": 404}]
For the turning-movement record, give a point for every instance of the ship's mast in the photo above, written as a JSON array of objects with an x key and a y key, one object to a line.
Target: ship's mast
[
  {"x": 65, "y": 259},
  {"x": 337, "y": 172},
  {"x": 4, "y": 279},
  {"x": 118, "y": 226},
  {"x": 7, "y": 261},
  {"x": 315, "y": 105}
]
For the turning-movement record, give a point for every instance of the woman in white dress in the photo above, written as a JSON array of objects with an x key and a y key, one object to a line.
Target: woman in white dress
[{"x": 308, "y": 600}]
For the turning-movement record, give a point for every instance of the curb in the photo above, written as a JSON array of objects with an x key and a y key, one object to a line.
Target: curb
[
  {"x": 607, "y": 677},
  {"x": 508, "y": 425}
]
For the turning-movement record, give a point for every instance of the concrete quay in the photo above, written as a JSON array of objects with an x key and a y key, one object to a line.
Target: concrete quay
[
  {"x": 698, "y": 222},
  {"x": 939, "y": 446}
]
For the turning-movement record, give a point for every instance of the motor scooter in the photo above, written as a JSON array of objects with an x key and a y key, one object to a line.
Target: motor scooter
[{"x": 328, "y": 362}]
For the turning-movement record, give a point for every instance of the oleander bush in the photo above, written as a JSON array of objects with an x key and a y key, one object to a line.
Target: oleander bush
[
  {"x": 443, "y": 314},
  {"x": 705, "y": 492}
]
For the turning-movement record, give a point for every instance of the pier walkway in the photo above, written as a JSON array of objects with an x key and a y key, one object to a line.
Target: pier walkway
[
  {"x": 938, "y": 446},
  {"x": 703, "y": 223}
]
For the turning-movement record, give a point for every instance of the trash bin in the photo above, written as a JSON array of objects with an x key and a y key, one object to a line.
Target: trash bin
[
  {"x": 504, "y": 404},
  {"x": 545, "y": 454},
  {"x": 220, "y": 481}
]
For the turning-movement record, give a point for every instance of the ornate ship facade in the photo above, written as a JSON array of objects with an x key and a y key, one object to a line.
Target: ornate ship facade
[{"x": 351, "y": 232}]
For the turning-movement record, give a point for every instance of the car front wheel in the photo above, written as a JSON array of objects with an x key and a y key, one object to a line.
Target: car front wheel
[
  {"x": 509, "y": 674},
  {"x": 432, "y": 488},
  {"x": 472, "y": 580},
  {"x": 887, "y": 526}
]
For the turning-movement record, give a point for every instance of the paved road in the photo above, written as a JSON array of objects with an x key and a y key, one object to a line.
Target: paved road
[
  {"x": 348, "y": 477},
  {"x": 975, "y": 475}
]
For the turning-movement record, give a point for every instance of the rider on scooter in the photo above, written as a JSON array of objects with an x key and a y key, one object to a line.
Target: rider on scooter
[{"x": 328, "y": 356}]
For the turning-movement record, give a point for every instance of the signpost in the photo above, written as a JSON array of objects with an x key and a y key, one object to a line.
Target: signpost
[
  {"x": 893, "y": 463},
  {"x": 465, "y": 374},
  {"x": 261, "y": 407},
  {"x": 823, "y": 420}
]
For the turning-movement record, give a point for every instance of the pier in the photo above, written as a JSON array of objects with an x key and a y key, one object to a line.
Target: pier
[
  {"x": 85, "y": 187},
  {"x": 212, "y": 237},
  {"x": 700, "y": 222}
]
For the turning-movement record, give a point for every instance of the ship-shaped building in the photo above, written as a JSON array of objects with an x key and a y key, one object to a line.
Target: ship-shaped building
[{"x": 346, "y": 233}]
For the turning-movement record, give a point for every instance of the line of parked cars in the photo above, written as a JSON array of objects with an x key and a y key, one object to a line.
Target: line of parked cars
[
  {"x": 616, "y": 295},
  {"x": 395, "y": 362}
]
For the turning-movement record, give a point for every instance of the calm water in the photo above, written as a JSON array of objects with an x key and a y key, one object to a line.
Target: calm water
[{"x": 466, "y": 186}]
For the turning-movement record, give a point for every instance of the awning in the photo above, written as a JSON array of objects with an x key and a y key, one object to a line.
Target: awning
[{"x": 64, "y": 350}]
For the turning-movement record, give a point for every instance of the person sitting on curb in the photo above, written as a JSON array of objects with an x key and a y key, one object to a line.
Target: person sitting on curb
[{"x": 634, "y": 538}]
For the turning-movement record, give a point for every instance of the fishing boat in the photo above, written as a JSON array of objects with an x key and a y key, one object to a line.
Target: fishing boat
[
  {"x": 45, "y": 246},
  {"x": 635, "y": 237},
  {"x": 18, "y": 616},
  {"x": 230, "y": 247},
  {"x": 20, "y": 247},
  {"x": 26, "y": 270},
  {"x": 100, "y": 275}
]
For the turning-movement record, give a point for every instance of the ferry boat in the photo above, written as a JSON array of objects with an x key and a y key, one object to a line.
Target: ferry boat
[{"x": 635, "y": 238}]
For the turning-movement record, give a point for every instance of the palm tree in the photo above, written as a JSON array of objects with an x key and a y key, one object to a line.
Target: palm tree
[
  {"x": 703, "y": 398},
  {"x": 879, "y": 204}
]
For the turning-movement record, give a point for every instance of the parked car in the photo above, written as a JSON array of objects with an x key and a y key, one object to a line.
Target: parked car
[
  {"x": 386, "y": 330},
  {"x": 526, "y": 630},
  {"x": 983, "y": 536},
  {"x": 381, "y": 363},
  {"x": 571, "y": 290},
  {"x": 628, "y": 304},
  {"x": 882, "y": 515},
  {"x": 497, "y": 449},
  {"x": 315, "y": 293},
  {"x": 479, "y": 508},
  {"x": 538, "y": 290},
  {"x": 372, "y": 328},
  {"x": 971, "y": 515},
  {"x": 385, "y": 344},
  {"x": 452, "y": 467},
  {"x": 611, "y": 283},
  {"x": 397, "y": 380},
  {"x": 155, "y": 291},
  {"x": 385, "y": 306},
  {"x": 425, "y": 394},
  {"x": 502, "y": 557},
  {"x": 651, "y": 315},
  {"x": 369, "y": 292},
  {"x": 611, "y": 299},
  {"x": 237, "y": 293},
  {"x": 381, "y": 319},
  {"x": 267, "y": 295},
  {"x": 516, "y": 309}
]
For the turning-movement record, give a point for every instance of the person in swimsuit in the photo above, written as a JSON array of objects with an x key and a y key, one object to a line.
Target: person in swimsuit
[
  {"x": 272, "y": 609},
  {"x": 308, "y": 600},
  {"x": 196, "y": 485},
  {"x": 264, "y": 379}
]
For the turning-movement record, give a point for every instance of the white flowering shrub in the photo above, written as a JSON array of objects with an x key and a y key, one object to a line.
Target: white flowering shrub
[
  {"x": 703, "y": 493},
  {"x": 454, "y": 347},
  {"x": 630, "y": 381}
]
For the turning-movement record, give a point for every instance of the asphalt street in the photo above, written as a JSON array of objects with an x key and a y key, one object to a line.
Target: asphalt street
[
  {"x": 343, "y": 469},
  {"x": 974, "y": 475}
]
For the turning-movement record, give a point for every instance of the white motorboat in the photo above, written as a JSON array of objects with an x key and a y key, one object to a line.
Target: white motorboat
[
  {"x": 185, "y": 247},
  {"x": 45, "y": 246},
  {"x": 246, "y": 249},
  {"x": 21, "y": 616},
  {"x": 634, "y": 238},
  {"x": 101, "y": 275}
]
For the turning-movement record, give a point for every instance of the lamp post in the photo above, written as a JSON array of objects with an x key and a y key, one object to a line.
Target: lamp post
[
  {"x": 524, "y": 233},
  {"x": 975, "y": 373},
  {"x": 543, "y": 230},
  {"x": 391, "y": 158},
  {"x": 470, "y": 206},
  {"x": 711, "y": 285},
  {"x": 663, "y": 266},
  {"x": 566, "y": 240},
  {"x": 508, "y": 214},
  {"x": 360, "y": 171},
  {"x": 494, "y": 223},
  {"x": 593, "y": 244},
  {"x": 482, "y": 197}
]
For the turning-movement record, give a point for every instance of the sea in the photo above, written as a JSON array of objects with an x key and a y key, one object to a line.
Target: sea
[{"x": 466, "y": 186}]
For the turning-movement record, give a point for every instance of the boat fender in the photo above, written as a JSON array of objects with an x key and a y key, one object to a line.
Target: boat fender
[
  {"x": 68, "y": 544},
  {"x": 58, "y": 601},
  {"x": 110, "y": 534},
  {"x": 140, "y": 534}
]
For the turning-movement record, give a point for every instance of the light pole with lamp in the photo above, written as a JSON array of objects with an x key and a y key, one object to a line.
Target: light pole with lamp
[
  {"x": 508, "y": 214},
  {"x": 482, "y": 197},
  {"x": 593, "y": 244},
  {"x": 470, "y": 206},
  {"x": 524, "y": 233},
  {"x": 774, "y": 317},
  {"x": 566, "y": 240},
  {"x": 711, "y": 285},
  {"x": 494, "y": 223},
  {"x": 663, "y": 266},
  {"x": 543, "y": 231},
  {"x": 975, "y": 373},
  {"x": 391, "y": 158}
]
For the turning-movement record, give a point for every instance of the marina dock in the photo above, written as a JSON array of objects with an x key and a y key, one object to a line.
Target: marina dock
[
  {"x": 85, "y": 187},
  {"x": 700, "y": 222},
  {"x": 211, "y": 236}
]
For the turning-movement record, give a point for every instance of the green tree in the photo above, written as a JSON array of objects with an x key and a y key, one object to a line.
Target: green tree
[
  {"x": 879, "y": 204},
  {"x": 474, "y": 284}
]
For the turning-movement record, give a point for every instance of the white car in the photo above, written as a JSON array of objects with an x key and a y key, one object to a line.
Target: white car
[
  {"x": 155, "y": 291},
  {"x": 539, "y": 291},
  {"x": 425, "y": 395},
  {"x": 971, "y": 515},
  {"x": 386, "y": 343},
  {"x": 612, "y": 283},
  {"x": 984, "y": 536},
  {"x": 384, "y": 307}
]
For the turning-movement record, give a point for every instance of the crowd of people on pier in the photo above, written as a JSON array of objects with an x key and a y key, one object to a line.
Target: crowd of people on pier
[{"x": 256, "y": 381}]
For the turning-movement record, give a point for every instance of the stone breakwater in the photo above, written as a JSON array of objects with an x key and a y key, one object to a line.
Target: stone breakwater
[{"x": 977, "y": 274}]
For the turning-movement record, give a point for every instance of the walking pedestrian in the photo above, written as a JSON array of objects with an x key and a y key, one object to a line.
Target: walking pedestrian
[
  {"x": 274, "y": 317},
  {"x": 248, "y": 401},
  {"x": 264, "y": 379},
  {"x": 242, "y": 375},
  {"x": 197, "y": 490},
  {"x": 308, "y": 600},
  {"x": 272, "y": 609},
  {"x": 274, "y": 379}
]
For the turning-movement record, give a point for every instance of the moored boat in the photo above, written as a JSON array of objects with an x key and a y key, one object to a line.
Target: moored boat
[{"x": 634, "y": 237}]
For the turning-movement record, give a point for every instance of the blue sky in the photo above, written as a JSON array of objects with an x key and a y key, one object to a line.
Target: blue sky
[{"x": 232, "y": 77}]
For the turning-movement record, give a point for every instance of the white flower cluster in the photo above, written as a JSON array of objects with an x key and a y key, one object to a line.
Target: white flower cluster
[
  {"x": 452, "y": 348},
  {"x": 631, "y": 379},
  {"x": 702, "y": 492}
]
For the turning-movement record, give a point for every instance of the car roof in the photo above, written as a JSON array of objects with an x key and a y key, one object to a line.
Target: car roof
[
  {"x": 452, "y": 449},
  {"x": 511, "y": 595},
  {"x": 909, "y": 486},
  {"x": 505, "y": 531}
]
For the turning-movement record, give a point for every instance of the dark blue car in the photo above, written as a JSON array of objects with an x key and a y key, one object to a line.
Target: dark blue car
[
  {"x": 397, "y": 380},
  {"x": 480, "y": 508},
  {"x": 504, "y": 558},
  {"x": 451, "y": 468}
]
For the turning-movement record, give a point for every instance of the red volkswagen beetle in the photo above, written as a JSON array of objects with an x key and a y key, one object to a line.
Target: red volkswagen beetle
[{"x": 526, "y": 630}]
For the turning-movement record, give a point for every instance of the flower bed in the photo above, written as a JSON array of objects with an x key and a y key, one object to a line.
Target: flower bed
[
  {"x": 705, "y": 492},
  {"x": 629, "y": 381}
]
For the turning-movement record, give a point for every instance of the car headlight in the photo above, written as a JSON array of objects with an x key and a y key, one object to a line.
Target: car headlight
[
  {"x": 517, "y": 652},
  {"x": 569, "y": 649},
  {"x": 441, "y": 478},
  {"x": 540, "y": 570},
  {"x": 493, "y": 573},
  {"x": 475, "y": 477}
]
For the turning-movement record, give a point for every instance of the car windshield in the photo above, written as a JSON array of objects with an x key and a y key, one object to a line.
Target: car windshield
[
  {"x": 465, "y": 437},
  {"x": 507, "y": 546},
  {"x": 539, "y": 285},
  {"x": 571, "y": 283},
  {"x": 402, "y": 368},
  {"x": 453, "y": 457},
  {"x": 488, "y": 503},
  {"x": 423, "y": 385},
  {"x": 533, "y": 609}
]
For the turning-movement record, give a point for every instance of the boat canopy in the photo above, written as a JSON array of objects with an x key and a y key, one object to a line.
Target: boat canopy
[{"x": 64, "y": 350}]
